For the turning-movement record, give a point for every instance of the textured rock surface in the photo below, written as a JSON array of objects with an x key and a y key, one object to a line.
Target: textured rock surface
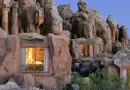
[
  {"x": 113, "y": 27},
  {"x": 29, "y": 16},
  {"x": 31, "y": 36},
  {"x": 10, "y": 60},
  {"x": 10, "y": 86},
  {"x": 29, "y": 80},
  {"x": 3, "y": 34},
  {"x": 89, "y": 23},
  {"x": 53, "y": 21},
  {"x": 123, "y": 35},
  {"x": 60, "y": 49},
  {"x": 14, "y": 19},
  {"x": 66, "y": 13},
  {"x": 102, "y": 29},
  {"x": 5, "y": 14}
]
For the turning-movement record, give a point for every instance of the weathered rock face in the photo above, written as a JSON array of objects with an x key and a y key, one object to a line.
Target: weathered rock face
[
  {"x": 82, "y": 6},
  {"x": 113, "y": 27},
  {"x": 29, "y": 81},
  {"x": 14, "y": 19},
  {"x": 61, "y": 65},
  {"x": 6, "y": 5},
  {"x": 53, "y": 21},
  {"x": 29, "y": 13},
  {"x": 3, "y": 34},
  {"x": 89, "y": 23},
  {"x": 66, "y": 13},
  {"x": 82, "y": 26},
  {"x": 123, "y": 35},
  {"x": 9, "y": 58},
  {"x": 82, "y": 23},
  {"x": 102, "y": 29},
  {"x": 117, "y": 47}
]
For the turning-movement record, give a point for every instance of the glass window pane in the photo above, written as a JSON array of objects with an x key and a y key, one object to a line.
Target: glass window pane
[{"x": 34, "y": 59}]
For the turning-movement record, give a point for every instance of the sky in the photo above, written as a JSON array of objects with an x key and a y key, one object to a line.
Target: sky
[{"x": 119, "y": 9}]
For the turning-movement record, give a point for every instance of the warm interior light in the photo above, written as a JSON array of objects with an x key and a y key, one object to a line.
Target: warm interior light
[
  {"x": 85, "y": 50},
  {"x": 35, "y": 59},
  {"x": 29, "y": 57},
  {"x": 32, "y": 56},
  {"x": 82, "y": 49}
]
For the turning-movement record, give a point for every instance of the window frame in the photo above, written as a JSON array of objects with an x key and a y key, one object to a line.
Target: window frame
[
  {"x": 91, "y": 53},
  {"x": 23, "y": 60}
]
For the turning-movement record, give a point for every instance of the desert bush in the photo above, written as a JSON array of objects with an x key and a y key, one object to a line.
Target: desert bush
[{"x": 102, "y": 80}]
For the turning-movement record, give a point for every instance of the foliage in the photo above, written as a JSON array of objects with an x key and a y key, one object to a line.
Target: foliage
[
  {"x": 101, "y": 80},
  {"x": 60, "y": 85}
]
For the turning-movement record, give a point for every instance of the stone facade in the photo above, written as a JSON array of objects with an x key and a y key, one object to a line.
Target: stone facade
[
  {"x": 97, "y": 44},
  {"x": 59, "y": 62}
]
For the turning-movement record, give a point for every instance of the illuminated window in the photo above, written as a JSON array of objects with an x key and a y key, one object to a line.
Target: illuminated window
[
  {"x": 34, "y": 59},
  {"x": 86, "y": 50}
]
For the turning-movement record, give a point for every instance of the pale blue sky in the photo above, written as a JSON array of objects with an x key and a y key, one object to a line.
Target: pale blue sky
[{"x": 119, "y": 9}]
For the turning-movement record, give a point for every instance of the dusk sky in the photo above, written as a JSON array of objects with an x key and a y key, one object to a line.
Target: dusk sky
[{"x": 119, "y": 9}]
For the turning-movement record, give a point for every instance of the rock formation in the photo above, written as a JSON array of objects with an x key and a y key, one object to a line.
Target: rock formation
[
  {"x": 82, "y": 24},
  {"x": 11, "y": 84},
  {"x": 113, "y": 27},
  {"x": 5, "y": 12},
  {"x": 28, "y": 16},
  {"x": 14, "y": 19},
  {"x": 89, "y": 23},
  {"x": 123, "y": 35},
  {"x": 39, "y": 23},
  {"x": 66, "y": 13},
  {"x": 53, "y": 21}
]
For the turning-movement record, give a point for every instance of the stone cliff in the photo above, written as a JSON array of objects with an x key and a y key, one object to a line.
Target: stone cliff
[{"x": 43, "y": 17}]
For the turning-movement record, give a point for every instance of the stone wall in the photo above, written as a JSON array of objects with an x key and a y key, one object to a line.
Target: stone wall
[
  {"x": 76, "y": 48},
  {"x": 59, "y": 63},
  {"x": 9, "y": 59}
]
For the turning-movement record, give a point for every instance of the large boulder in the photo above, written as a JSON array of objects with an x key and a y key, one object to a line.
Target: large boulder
[{"x": 10, "y": 85}]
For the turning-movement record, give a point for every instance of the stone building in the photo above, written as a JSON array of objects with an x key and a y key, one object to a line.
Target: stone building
[
  {"x": 34, "y": 59},
  {"x": 86, "y": 48}
]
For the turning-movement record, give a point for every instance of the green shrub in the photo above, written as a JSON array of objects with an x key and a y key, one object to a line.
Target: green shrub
[{"x": 101, "y": 80}]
